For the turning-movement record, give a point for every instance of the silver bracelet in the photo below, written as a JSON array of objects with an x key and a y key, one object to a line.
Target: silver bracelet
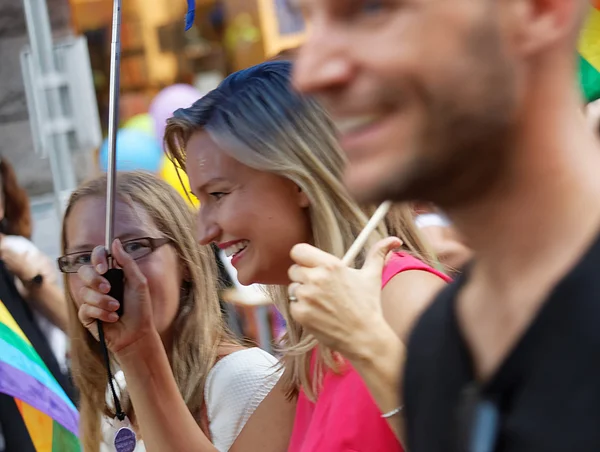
[{"x": 393, "y": 412}]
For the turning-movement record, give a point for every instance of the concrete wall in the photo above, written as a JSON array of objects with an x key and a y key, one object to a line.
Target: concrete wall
[{"x": 15, "y": 135}]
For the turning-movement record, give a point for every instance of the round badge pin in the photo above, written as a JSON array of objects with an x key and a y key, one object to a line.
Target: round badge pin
[{"x": 125, "y": 440}]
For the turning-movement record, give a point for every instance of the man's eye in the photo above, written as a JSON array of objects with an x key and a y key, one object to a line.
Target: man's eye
[
  {"x": 372, "y": 6},
  {"x": 363, "y": 9}
]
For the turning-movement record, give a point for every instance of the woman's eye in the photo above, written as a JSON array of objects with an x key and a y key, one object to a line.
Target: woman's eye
[
  {"x": 83, "y": 259},
  {"x": 217, "y": 194},
  {"x": 132, "y": 247}
]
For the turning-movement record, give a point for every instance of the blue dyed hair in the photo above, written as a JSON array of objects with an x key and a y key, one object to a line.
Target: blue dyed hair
[{"x": 256, "y": 114}]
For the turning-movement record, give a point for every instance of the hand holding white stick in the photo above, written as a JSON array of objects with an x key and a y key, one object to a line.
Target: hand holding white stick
[{"x": 364, "y": 235}]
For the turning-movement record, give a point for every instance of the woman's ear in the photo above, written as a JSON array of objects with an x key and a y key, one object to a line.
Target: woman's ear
[
  {"x": 303, "y": 200},
  {"x": 185, "y": 273}
]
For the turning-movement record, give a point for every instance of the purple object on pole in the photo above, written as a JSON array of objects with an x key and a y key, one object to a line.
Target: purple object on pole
[{"x": 191, "y": 12}]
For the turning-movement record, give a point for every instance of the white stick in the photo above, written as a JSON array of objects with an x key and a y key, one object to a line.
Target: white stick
[{"x": 364, "y": 235}]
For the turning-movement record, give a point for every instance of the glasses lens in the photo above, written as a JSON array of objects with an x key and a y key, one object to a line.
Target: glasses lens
[
  {"x": 138, "y": 248},
  {"x": 71, "y": 263},
  {"x": 62, "y": 265}
]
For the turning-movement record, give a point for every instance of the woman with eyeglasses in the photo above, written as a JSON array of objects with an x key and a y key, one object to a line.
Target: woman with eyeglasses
[{"x": 190, "y": 386}]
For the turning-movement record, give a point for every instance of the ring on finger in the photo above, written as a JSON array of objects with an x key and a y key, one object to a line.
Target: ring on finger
[{"x": 292, "y": 292}]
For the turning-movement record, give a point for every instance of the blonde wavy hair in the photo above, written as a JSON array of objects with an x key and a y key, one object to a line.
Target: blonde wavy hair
[
  {"x": 256, "y": 117},
  {"x": 199, "y": 326}
]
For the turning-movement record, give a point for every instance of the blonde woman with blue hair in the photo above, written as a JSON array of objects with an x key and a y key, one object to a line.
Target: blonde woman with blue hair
[{"x": 266, "y": 166}]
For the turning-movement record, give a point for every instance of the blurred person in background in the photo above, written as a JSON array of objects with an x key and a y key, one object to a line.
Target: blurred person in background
[
  {"x": 266, "y": 167},
  {"x": 444, "y": 239},
  {"x": 475, "y": 106},
  {"x": 29, "y": 292},
  {"x": 35, "y": 273}
]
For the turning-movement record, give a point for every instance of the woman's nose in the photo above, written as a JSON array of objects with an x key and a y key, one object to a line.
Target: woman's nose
[{"x": 207, "y": 231}]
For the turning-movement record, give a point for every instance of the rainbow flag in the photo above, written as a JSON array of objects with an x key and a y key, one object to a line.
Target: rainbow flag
[
  {"x": 589, "y": 54},
  {"x": 48, "y": 413}
]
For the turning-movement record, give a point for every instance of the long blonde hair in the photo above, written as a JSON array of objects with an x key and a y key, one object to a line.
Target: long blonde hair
[
  {"x": 258, "y": 119},
  {"x": 199, "y": 326}
]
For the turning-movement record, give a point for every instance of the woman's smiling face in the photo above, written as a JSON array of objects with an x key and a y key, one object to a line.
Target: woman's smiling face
[{"x": 256, "y": 217}]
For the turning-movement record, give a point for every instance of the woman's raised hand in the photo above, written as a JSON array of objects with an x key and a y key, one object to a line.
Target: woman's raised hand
[
  {"x": 339, "y": 305},
  {"x": 137, "y": 320}
]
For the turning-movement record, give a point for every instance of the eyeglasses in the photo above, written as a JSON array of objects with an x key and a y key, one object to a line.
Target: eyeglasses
[
  {"x": 479, "y": 421},
  {"x": 136, "y": 248}
]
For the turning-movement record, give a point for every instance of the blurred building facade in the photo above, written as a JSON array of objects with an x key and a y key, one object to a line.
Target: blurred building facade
[
  {"x": 156, "y": 52},
  {"x": 15, "y": 133},
  {"x": 228, "y": 35}
]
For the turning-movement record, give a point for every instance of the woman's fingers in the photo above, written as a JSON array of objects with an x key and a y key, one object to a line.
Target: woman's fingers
[
  {"x": 90, "y": 278},
  {"x": 99, "y": 300},
  {"x": 134, "y": 276},
  {"x": 309, "y": 256},
  {"x": 298, "y": 273},
  {"x": 88, "y": 315},
  {"x": 292, "y": 288},
  {"x": 100, "y": 259}
]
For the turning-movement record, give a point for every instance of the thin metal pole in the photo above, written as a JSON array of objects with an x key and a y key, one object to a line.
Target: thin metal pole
[{"x": 113, "y": 121}]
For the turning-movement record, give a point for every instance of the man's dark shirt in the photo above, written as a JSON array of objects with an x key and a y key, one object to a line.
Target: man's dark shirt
[{"x": 547, "y": 391}]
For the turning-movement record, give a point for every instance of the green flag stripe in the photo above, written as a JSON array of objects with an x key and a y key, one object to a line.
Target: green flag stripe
[
  {"x": 589, "y": 77},
  {"x": 13, "y": 339},
  {"x": 63, "y": 440}
]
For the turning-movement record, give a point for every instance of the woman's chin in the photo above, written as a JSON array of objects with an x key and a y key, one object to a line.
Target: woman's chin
[
  {"x": 266, "y": 275},
  {"x": 246, "y": 278}
]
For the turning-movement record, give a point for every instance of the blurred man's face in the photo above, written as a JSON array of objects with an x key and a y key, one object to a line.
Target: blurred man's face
[{"x": 424, "y": 92}]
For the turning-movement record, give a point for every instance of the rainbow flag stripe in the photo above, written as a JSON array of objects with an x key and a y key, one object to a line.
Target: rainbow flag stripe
[
  {"x": 49, "y": 415},
  {"x": 589, "y": 54}
]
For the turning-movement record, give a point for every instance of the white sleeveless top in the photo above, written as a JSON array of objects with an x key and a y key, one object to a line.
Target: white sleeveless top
[{"x": 235, "y": 387}]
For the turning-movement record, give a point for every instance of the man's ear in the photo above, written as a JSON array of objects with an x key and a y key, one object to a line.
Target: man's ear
[{"x": 537, "y": 24}]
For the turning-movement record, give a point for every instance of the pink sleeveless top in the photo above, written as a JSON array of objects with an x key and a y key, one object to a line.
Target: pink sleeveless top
[{"x": 345, "y": 417}]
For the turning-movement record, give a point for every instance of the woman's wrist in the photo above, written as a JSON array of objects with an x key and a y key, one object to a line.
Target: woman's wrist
[
  {"x": 380, "y": 366},
  {"x": 370, "y": 345},
  {"x": 146, "y": 344}
]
